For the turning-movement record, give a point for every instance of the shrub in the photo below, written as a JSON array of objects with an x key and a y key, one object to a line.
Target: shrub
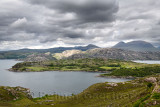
[
  {"x": 149, "y": 85},
  {"x": 156, "y": 96}
]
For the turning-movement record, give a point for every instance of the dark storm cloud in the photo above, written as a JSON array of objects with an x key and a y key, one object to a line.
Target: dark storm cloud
[
  {"x": 138, "y": 16},
  {"x": 73, "y": 35},
  {"x": 34, "y": 23},
  {"x": 49, "y": 20},
  {"x": 85, "y": 10}
]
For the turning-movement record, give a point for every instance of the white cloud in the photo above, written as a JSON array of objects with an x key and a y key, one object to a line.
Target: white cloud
[{"x": 19, "y": 22}]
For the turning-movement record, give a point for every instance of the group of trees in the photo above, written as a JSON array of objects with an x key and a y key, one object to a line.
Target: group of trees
[{"x": 136, "y": 72}]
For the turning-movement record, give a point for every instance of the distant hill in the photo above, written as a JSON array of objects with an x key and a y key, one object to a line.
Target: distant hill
[
  {"x": 113, "y": 53},
  {"x": 84, "y": 48},
  {"x": 59, "y": 49},
  {"x": 23, "y": 53},
  {"x": 136, "y": 46}
]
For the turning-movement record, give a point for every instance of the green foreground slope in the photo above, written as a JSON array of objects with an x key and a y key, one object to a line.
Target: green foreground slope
[{"x": 140, "y": 92}]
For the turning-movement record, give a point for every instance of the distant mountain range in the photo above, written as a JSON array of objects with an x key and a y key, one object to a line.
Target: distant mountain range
[
  {"x": 23, "y": 53},
  {"x": 136, "y": 46},
  {"x": 135, "y": 50},
  {"x": 58, "y": 49}
]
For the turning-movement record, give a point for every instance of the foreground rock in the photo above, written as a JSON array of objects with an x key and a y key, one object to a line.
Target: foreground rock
[
  {"x": 14, "y": 93},
  {"x": 151, "y": 79}
]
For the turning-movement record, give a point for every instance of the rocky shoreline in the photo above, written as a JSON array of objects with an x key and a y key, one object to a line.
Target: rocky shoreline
[
  {"x": 121, "y": 77},
  {"x": 59, "y": 71}
]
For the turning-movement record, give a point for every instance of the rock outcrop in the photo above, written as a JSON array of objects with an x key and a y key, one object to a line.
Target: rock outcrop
[
  {"x": 111, "y": 53},
  {"x": 14, "y": 93},
  {"x": 67, "y": 53}
]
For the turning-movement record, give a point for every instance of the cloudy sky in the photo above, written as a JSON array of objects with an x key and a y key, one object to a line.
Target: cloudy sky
[{"x": 53, "y": 23}]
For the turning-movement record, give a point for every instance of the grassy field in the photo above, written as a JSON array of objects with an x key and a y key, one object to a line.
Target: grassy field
[
  {"x": 118, "y": 68},
  {"x": 78, "y": 65},
  {"x": 135, "y": 93}
]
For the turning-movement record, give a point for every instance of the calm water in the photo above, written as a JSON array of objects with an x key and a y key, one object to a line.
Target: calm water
[
  {"x": 50, "y": 82},
  {"x": 148, "y": 61}
]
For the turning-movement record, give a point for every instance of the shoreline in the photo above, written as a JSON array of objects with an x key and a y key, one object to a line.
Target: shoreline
[
  {"x": 11, "y": 70},
  {"x": 121, "y": 77}
]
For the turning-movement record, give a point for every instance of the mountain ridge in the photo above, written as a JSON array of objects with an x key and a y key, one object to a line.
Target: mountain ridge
[
  {"x": 59, "y": 49},
  {"x": 23, "y": 53},
  {"x": 113, "y": 53},
  {"x": 136, "y": 46}
]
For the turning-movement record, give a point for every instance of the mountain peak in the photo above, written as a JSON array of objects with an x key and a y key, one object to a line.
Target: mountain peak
[
  {"x": 136, "y": 46},
  {"x": 91, "y": 45},
  {"x": 141, "y": 44},
  {"x": 120, "y": 44},
  {"x": 140, "y": 41}
]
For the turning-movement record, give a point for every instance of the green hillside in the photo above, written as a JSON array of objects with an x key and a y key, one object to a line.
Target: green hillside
[{"x": 141, "y": 92}]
